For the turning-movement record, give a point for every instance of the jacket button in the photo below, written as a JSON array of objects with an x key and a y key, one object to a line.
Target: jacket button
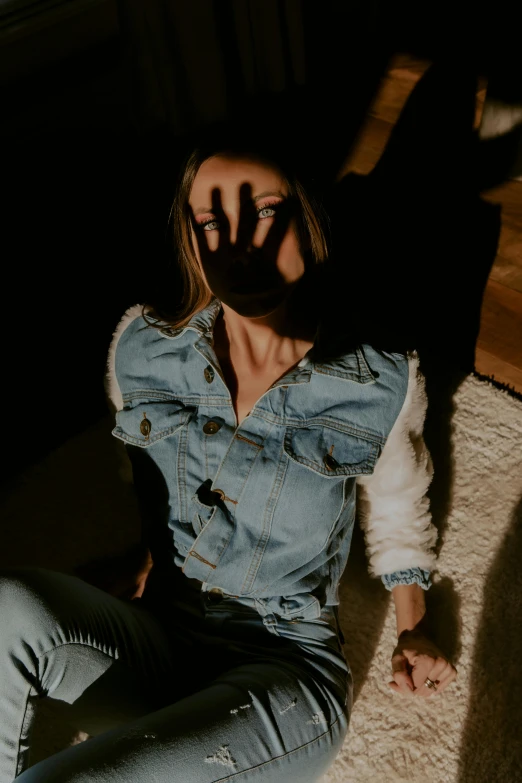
[
  {"x": 209, "y": 373},
  {"x": 330, "y": 462},
  {"x": 211, "y": 427},
  {"x": 145, "y": 426},
  {"x": 169, "y": 331},
  {"x": 215, "y": 595}
]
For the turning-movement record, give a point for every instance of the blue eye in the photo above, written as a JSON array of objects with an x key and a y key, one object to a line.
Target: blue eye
[
  {"x": 211, "y": 225},
  {"x": 271, "y": 210}
]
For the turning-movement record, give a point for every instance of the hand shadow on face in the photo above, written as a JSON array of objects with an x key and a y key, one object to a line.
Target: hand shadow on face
[{"x": 231, "y": 263}]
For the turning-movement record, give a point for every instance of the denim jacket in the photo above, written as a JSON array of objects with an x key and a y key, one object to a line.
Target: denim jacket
[{"x": 265, "y": 511}]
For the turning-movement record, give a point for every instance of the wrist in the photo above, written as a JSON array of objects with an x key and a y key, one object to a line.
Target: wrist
[
  {"x": 410, "y": 608},
  {"x": 421, "y": 628}
]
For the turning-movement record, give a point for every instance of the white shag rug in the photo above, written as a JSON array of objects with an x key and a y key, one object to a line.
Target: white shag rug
[
  {"x": 65, "y": 510},
  {"x": 472, "y": 732}
]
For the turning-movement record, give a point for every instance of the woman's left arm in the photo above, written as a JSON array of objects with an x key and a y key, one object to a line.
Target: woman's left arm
[
  {"x": 415, "y": 656},
  {"x": 393, "y": 509}
]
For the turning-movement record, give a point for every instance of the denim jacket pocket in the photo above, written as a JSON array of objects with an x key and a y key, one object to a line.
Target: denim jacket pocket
[
  {"x": 303, "y": 606},
  {"x": 148, "y": 422},
  {"x": 331, "y": 452}
]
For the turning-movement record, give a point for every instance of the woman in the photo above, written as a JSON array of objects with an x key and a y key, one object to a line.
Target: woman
[{"x": 252, "y": 421}]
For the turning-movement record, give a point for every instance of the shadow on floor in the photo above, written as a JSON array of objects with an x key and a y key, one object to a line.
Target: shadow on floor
[
  {"x": 491, "y": 747},
  {"x": 414, "y": 246}
]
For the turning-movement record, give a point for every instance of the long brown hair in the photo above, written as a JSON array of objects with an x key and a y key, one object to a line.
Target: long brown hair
[{"x": 311, "y": 225}]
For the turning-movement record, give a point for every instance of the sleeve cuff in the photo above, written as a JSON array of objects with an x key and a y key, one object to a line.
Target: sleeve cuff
[{"x": 408, "y": 577}]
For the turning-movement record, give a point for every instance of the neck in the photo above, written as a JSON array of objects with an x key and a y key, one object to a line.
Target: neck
[{"x": 280, "y": 338}]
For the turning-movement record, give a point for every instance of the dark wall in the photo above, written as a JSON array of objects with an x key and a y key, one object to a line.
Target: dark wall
[
  {"x": 86, "y": 197},
  {"x": 67, "y": 211}
]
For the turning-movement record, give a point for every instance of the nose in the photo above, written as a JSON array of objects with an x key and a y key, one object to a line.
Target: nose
[
  {"x": 246, "y": 258},
  {"x": 247, "y": 255}
]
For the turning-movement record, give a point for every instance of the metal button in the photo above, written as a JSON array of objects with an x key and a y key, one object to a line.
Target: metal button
[
  {"x": 211, "y": 427},
  {"x": 330, "y": 462},
  {"x": 209, "y": 373},
  {"x": 169, "y": 331},
  {"x": 145, "y": 426},
  {"x": 215, "y": 595}
]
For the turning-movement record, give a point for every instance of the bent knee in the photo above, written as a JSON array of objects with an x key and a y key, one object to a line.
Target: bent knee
[{"x": 25, "y": 599}]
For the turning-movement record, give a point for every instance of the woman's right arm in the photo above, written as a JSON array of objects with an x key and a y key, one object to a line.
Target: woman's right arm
[{"x": 124, "y": 574}]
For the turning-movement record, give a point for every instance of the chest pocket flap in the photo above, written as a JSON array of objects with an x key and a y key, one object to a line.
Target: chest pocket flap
[
  {"x": 331, "y": 452},
  {"x": 148, "y": 422}
]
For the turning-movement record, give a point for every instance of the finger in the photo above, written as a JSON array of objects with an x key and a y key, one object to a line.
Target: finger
[
  {"x": 440, "y": 668},
  {"x": 224, "y": 223},
  {"x": 412, "y": 656},
  {"x": 437, "y": 675},
  {"x": 447, "y": 680},
  {"x": 278, "y": 229},
  {"x": 247, "y": 218},
  {"x": 423, "y": 690},
  {"x": 199, "y": 234},
  {"x": 404, "y": 682}
]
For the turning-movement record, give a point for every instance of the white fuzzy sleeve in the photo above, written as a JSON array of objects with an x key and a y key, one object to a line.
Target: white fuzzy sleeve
[
  {"x": 392, "y": 505},
  {"x": 112, "y": 388}
]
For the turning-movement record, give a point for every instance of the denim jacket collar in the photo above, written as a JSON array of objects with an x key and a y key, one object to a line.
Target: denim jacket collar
[{"x": 351, "y": 366}]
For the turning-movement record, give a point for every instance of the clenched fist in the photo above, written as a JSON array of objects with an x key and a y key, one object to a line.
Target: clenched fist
[{"x": 414, "y": 659}]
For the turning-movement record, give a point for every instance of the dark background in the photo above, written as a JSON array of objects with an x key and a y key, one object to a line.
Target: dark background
[{"x": 89, "y": 165}]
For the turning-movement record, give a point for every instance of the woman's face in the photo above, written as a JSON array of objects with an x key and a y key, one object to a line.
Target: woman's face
[{"x": 235, "y": 203}]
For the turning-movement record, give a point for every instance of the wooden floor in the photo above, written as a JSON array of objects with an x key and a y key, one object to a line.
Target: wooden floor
[{"x": 498, "y": 351}]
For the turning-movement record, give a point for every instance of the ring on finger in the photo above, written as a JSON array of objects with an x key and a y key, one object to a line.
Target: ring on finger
[{"x": 430, "y": 684}]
